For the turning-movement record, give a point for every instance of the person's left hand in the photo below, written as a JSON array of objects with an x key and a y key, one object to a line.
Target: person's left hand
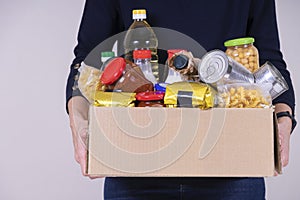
[{"x": 284, "y": 132}]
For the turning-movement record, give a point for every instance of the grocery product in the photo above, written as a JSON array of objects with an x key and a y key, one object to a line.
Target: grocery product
[
  {"x": 160, "y": 87},
  {"x": 142, "y": 59},
  {"x": 124, "y": 76},
  {"x": 185, "y": 64},
  {"x": 150, "y": 99},
  {"x": 268, "y": 74},
  {"x": 189, "y": 94},
  {"x": 140, "y": 35},
  {"x": 105, "y": 56},
  {"x": 88, "y": 81},
  {"x": 243, "y": 51},
  {"x": 216, "y": 67},
  {"x": 243, "y": 95},
  {"x": 114, "y": 99},
  {"x": 172, "y": 75}
]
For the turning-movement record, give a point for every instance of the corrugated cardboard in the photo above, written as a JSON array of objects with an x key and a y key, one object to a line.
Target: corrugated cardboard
[{"x": 182, "y": 142}]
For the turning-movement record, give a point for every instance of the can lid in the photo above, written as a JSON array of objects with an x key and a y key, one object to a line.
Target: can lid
[
  {"x": 213, "y": 66},
  {"x": 113, "y": 71},
  {"x": 171, "y": 52},
  {"x": 139, "y": 14},
  {"x": 239, "y": 41},
  {"x": 107, "y": 54},
  {"x": 180, "y": 61},
  {"x": 150, "y": 96},
  {"x": 141, "y": 54}
]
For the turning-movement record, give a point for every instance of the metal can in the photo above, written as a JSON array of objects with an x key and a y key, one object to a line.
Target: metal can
[
  {"x": 216, "y": 66},
  {"x": 268, "y": 74}
]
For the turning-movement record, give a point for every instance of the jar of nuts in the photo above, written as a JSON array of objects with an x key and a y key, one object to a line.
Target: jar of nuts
[{"x": 243, "y": 51}]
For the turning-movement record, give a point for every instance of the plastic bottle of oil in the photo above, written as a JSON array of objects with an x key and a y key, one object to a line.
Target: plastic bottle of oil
[{"x": 140, "y": 36}]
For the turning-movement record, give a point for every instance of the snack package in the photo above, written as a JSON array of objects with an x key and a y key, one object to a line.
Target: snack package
[
  {"x": 88, "y": 81},
  {"x": 243, "y": 95},
  {"x": 189, "y": 94},
  {"x": 114, "y": 99}
]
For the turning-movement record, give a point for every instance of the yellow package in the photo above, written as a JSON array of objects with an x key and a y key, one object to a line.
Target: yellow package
[
  {"x": 189, "y": 94},
  {"x": 114, "y": 99}
]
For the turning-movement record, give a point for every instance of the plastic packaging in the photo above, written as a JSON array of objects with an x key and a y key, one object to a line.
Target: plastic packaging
[
  {"x": 114, "y": 99},
  {"x": 142, "y": 59},
  {"x": 243, "y": 51},
  {"x": 140, "y": 35},
  {"x": 189, "y": 94},
  {"x": 88, "y": 81},
  {"x": 243, "y": 95}
]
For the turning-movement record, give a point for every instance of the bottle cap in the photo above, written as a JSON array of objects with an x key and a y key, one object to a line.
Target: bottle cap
[
  {"x": 107, "y": 54},
  {"x": 141, "y": 54},
  {"x": 139, "y": 14},
  {"x": 180, "y": 61},
  {"x": 171, "y": 52},
  {"x": 150, "y": 96},
  {"x": 239, "y": 41},
  {"x": 113, "y": 71}
]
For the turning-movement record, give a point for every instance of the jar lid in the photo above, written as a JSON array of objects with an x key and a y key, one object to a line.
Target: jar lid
[
  {"x": 150, "y": 96},
  {"x": 180, "y": 61},
  {"x": 113, "y": 70},
  {"x": 171, "y": 52},
  {"x": 139, "y": 14},
  {"x": 141, "y": 54},
  {"x": 239, "y": 41}
]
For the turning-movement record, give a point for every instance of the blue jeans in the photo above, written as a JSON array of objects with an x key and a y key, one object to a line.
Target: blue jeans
[{"x": 184, "y": 188}]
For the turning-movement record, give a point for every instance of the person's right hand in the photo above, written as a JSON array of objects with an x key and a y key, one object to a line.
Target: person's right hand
[{"x": 78, "y": 113}]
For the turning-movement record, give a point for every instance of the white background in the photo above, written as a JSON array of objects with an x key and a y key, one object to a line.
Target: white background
[{"x": 37, "y": 38}]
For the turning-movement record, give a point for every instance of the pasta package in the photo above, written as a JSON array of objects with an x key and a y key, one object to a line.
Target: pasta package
[
  {"x": 189, "y": 94},
  {"x": 114, "y": 99},
  {"x": 243, "y": 95},
  {"x": 88, "y": 81}
]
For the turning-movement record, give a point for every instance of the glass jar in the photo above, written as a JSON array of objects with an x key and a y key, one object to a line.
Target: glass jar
[
  {"x": 150, "y": 99},
  {"x": 122, "y": 76},
  {"x": 243, "y": 51}
]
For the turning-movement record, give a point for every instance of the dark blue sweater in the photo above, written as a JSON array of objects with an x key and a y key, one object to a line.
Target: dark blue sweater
[{"x": 210, "y": 23}]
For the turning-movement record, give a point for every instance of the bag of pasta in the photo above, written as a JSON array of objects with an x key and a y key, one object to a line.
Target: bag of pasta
[
  {"x": 244, "y": 95},
  {"x": 88, "y": 81}
]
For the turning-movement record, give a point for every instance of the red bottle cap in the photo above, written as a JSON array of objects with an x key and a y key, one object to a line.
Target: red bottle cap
[
  {"x": 113, "y": 71},
  {"x": 150, "y": 96},
  {"x": 171, "y": 52},
  {"x": 141, "y": 54}
]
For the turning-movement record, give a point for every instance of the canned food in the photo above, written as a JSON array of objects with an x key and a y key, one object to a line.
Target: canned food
[
  {"x": 216, "y": 66},
  {"x": 268, "y": 74}
]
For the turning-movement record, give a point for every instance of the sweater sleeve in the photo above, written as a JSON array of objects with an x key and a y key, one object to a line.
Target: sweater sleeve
[
  {"x": 100, "y": 20},
  {"x": 262, "y": 25}
]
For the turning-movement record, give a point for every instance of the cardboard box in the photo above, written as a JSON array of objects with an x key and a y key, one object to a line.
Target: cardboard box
[{"x": 182, "y": 142}]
